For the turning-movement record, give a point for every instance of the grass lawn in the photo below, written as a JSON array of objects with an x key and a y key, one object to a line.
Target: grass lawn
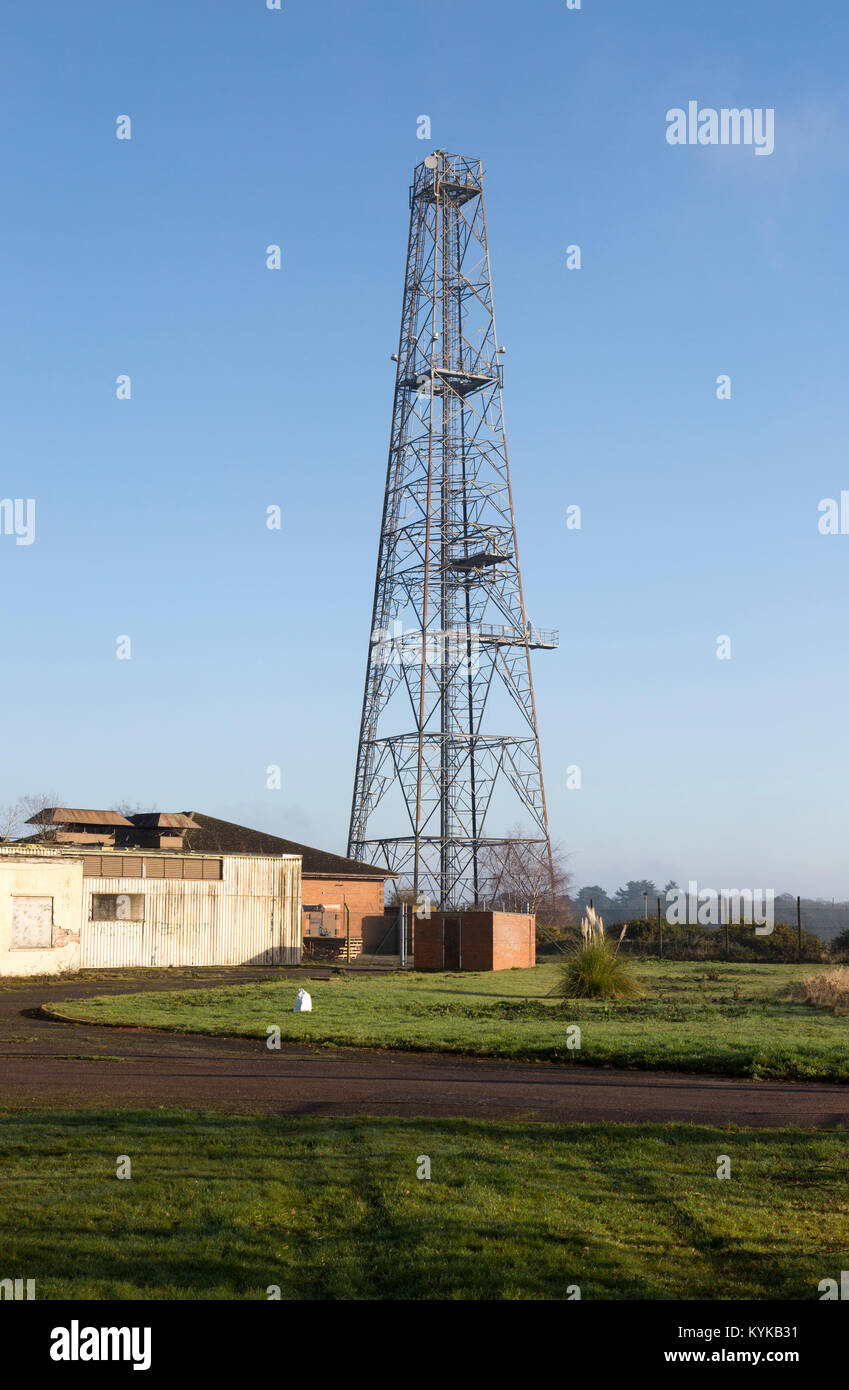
[
  {"x": 733, "y": 1019},
  {"x": 221, "y": 1207}
]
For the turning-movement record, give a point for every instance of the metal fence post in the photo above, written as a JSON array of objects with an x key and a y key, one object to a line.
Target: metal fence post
[{"x": 799, "y": 928}]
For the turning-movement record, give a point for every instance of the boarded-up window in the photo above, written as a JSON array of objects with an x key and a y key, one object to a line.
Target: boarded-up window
[
  {"x": 149, "y": 866},
  {"x": 32, "y": 924},
  {"x": 117, "y": 907}
]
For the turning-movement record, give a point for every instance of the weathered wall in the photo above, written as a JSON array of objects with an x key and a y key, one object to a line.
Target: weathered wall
[
  {"x": 514, "y": 941},
  {"x": 249, "y": 913},
  {"x": 251, "y": 916},
  {"x": 60, "y": 882}
]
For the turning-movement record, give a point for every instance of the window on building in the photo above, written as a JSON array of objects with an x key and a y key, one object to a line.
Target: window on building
[
  {"x": 117, "y": 907},
  {"x": 32, "y": 924}
]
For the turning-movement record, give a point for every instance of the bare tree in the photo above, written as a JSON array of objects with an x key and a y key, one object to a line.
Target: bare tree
[
  {"x": 397, "y": 896},
  {"x": 517, "y": 875},
  {"x": 15, "y": 815},
  {"x": 9, "y": 821}
]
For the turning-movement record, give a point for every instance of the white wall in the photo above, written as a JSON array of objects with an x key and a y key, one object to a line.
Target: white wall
[
  {"x": 61, "y": 882},
  {"x": 252, "y": 916}
]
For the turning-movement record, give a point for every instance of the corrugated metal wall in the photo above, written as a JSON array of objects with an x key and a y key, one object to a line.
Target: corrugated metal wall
[{"x": 252, "y": 916}]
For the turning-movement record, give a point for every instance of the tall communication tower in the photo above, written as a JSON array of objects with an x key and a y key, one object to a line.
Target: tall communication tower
[{"x": 438, "y": 791}]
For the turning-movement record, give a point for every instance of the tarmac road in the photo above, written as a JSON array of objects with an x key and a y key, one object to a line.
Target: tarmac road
[{"x": 44, "y": 1064}]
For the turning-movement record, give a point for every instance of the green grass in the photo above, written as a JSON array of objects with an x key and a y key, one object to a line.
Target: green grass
[
  {"x": 733, "y": 1019},
  {"x": 221, "y": 1207}
]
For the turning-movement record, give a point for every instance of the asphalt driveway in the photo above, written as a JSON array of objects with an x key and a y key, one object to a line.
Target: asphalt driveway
[{"x": 45, "y": 1063}]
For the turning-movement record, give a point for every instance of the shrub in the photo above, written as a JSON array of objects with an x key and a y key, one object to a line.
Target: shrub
[
  {"x": 691, "y": 942},
  {"x": 838, "y": 947},
  {"x": 594, "y": 969}
]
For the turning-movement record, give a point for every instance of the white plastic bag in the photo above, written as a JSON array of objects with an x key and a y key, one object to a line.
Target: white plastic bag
[{"x": 303, "y": 1003}]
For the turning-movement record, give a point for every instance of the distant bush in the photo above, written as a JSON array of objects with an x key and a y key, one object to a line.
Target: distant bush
[
  {"x": 552, "y": 939},
  {"x": 682, "y": 942},
  {"x": 780, "y": 945},
  {"x": 839, "y": 945}
]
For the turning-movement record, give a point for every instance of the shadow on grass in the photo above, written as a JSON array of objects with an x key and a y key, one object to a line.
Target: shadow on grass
[{"x": 223, "y": 1207}]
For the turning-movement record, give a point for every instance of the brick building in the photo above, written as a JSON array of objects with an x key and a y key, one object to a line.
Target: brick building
[{"x": 475, "y": 940}]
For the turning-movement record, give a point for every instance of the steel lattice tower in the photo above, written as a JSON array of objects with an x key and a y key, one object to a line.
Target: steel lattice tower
[{"x": 450, "y": 643}]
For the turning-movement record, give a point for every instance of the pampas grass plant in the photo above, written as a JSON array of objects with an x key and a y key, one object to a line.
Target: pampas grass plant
[{"x": 594, "y": 970}]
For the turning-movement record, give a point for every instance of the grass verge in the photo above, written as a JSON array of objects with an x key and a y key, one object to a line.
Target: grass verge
[
  {"x": 732, "y": 1019},
  {"x": 222, "y": 1207}
]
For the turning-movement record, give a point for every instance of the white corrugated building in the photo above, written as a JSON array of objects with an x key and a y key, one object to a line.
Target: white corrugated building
[{"x": 65, "y": 907}]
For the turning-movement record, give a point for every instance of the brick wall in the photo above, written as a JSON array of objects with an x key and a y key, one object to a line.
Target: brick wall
[
  {"x": 515, "y": 941},
  {"x": 427, "y": 943},
  {"x": 364, "y": 899}
]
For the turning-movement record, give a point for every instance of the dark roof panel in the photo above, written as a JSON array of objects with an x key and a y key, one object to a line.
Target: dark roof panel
[
  {"x": 223, "y": 837},
  {"x": 162, "y": 820}
]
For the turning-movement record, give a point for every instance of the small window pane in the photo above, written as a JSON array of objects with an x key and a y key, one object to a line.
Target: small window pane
[{"x": 117, "y": 907}]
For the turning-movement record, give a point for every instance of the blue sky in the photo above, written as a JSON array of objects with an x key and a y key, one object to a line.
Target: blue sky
[{"x": 253, "y": 387}]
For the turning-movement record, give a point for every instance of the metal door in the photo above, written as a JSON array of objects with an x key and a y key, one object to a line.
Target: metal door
[{"x": 451, "y": 950}]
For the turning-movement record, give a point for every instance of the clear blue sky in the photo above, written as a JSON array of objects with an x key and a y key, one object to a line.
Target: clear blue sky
[{"x": 253, "y": 387}]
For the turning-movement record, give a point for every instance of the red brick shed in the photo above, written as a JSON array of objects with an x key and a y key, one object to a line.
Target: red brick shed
[{"x": 474, "y": 941}]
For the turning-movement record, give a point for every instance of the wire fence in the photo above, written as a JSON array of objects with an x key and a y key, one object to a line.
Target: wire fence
[{"x": 783, "y": 943}]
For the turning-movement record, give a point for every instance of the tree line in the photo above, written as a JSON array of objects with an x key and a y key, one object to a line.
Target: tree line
[{"x": 822, "y": 916}]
